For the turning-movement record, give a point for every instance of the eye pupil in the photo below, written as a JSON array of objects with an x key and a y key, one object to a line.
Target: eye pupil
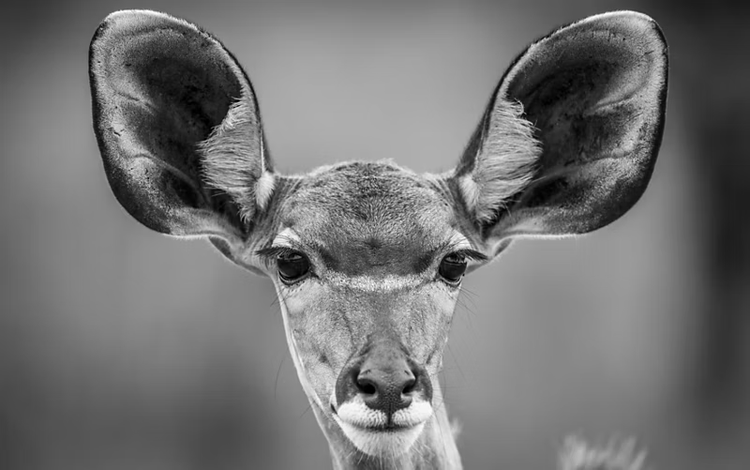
[
  {"x": 292, "y": 266},
  {"x": 452, "y": 268}
]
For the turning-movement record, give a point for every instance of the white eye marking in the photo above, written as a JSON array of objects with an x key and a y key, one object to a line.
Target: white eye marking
[
  {"x": 286, "y": 238},
  {"x": 459, "y": 242}
]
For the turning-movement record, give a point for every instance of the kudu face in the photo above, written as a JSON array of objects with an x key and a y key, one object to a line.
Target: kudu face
[
  {"x": 376, "y": 259},
  {"x": 367, "y": 258}
]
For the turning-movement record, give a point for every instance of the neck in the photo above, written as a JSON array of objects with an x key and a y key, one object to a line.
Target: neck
[{"x": 434, "y": 449}]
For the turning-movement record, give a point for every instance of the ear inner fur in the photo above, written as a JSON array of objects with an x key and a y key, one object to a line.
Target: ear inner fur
[
  {"x": 161, "y": 87},
  {"x": 595, "y": 93},
  {"x": 504, "y": 163},
  {"x": 234, "y": 161}
]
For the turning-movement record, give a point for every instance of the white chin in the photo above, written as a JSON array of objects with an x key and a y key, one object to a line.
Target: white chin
[
  {"x": 368, "y": 429},
  {"x": 386, "y": 443}
]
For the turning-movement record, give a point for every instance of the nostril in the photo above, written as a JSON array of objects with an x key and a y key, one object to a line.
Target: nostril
[
  {"x": 409, "y": 386},
  {"x": 367, "y": 386},
  {"x": 387, "y": 390}
]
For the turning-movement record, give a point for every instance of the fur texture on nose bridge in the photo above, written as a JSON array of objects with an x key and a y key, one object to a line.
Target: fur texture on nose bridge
[{"x": 384, "y": 348}]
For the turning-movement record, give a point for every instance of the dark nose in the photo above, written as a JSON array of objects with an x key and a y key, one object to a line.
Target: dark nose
[
  {"x": 387, "y": 389},
  {"x": 385, "y": 377}
]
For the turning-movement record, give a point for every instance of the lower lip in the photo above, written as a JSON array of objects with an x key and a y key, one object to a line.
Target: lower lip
[
  {"x": 374, "y": 430},
  {"x": 382, "y": 440},
  {"x": 387, "y": 430}
]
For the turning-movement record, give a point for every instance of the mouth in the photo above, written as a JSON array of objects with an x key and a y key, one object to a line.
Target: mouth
[
  {"x": 389, "y": 441},
  {"x": 376, "y": 434}
]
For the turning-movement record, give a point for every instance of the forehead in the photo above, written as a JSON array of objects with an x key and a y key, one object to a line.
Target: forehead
[{"x": 364, "y": 216}]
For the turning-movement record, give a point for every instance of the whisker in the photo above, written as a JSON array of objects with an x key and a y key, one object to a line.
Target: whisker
[{"x": 278, "y": 372}]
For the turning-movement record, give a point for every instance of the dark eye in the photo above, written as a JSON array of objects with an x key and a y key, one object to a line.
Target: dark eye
[
  {"x": 452, "y": 268},
  {"x": 292, "y": 266}
]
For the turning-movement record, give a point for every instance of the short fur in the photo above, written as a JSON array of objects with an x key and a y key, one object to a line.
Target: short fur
[
  {"x": 504, "y": 164},
  {"x": 566, "y": 146},
  {"x": 234, "y": 158}
]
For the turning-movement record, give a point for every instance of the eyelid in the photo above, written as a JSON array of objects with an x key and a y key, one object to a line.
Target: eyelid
[
  {"x": 460, "y": 245},
  {"x": 269, "y": 255},
  {"x": 470, "y": 254},
  {"x": 284, "y": 242}
]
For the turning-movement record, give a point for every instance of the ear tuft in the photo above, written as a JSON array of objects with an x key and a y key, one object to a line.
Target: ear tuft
[
  {"x": 178, "y": 127},
  {"x": 569, "y": 140},
  {"x": 506, "y": 157},
  {"x": 234, "y": 158}
]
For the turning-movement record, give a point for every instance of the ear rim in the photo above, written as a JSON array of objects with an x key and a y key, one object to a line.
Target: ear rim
[
  {"x": 497, "y": 234},
  {"x": 112, "y": 27},
  {"x": 622, "y": 20},
  {"x": 643, "y": 18}
]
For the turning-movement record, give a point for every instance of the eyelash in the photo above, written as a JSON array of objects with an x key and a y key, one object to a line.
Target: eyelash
[
  {"x": 470, "y": 254},
  {"x": 269, "y": 255}
]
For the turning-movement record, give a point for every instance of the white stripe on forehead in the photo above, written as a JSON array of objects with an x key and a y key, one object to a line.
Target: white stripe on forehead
[{"x": 390, "y": 282}]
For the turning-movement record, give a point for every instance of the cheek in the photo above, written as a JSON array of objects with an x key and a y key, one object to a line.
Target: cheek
[
  {"x": 431, "y": 318},
  {"x": 321, "y": 340}
]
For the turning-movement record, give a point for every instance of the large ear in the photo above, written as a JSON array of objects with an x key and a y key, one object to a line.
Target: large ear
[
  {"x": 570, "y": 137},
  {"x": 178, "y": 127}
]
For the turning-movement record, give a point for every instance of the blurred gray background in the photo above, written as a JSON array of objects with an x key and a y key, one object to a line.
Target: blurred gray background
[{"x": 122, "y": 349}]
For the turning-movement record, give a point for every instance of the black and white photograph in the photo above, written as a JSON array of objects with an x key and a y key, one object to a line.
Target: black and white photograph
[{"x": 375, "y": 235}]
